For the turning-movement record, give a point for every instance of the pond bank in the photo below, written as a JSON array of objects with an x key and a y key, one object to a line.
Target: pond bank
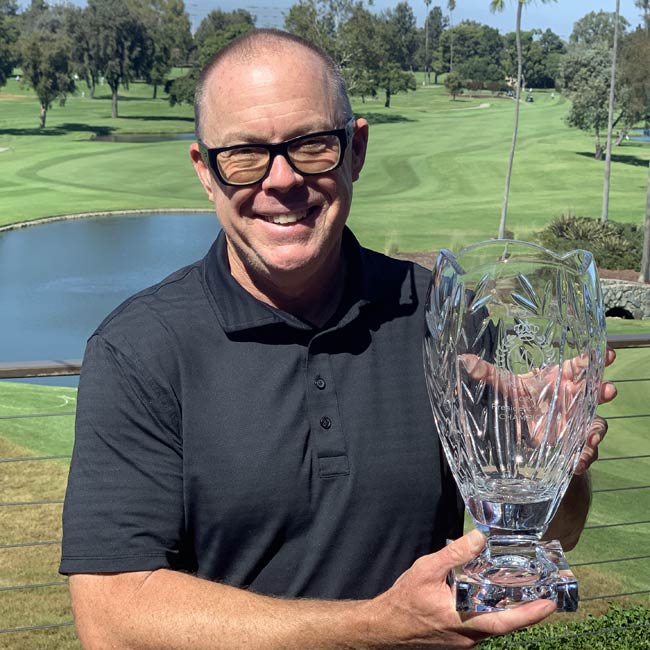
[{"x": 107, "y": 213}]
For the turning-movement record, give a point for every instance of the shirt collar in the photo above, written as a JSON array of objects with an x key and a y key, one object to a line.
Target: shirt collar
[{"x": 238, "y": 310}]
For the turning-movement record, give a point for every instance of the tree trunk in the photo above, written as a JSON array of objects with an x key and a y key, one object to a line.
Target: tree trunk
[
  {"x": 645, "y": 262},
  {"x": 451, "y": 42},
  {"x": 620, "y": 137},
  {"x": 41, "y": 118},
  {"x": 610, "y": 120},
  {"x": 114, "y": 103},
  {"x": 513, "y": 144},
  {"x": 155, "y": 91},
  {"x": 387, "y": 102},
  {"x": 598, "y": 155}
]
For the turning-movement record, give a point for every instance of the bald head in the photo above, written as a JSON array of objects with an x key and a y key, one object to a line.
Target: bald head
[{"x": 259, "y": 46}]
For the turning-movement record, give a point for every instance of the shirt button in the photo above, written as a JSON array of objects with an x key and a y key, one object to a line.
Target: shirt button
[
  {"x": 325, "y": 422},
  {"x": 320, "y": 383}
]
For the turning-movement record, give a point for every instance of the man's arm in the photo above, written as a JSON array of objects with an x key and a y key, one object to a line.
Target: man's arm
[
  {"x": 164, "y": 609},
  {"x": 569, "y": 521}
]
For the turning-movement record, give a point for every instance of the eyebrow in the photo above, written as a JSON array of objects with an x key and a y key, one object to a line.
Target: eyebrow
[{"x": 242, "y": 137}]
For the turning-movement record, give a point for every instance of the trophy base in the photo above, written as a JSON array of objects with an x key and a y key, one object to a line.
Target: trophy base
[{"x": 511, "y": 571}]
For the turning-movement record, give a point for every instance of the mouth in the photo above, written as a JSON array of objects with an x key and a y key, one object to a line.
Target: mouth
[{"x": 289, "y": 218}]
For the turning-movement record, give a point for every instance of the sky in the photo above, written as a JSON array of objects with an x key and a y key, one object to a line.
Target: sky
[{"x": 558, "y": 16}]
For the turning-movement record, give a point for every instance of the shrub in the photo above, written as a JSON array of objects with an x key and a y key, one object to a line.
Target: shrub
[
  {"x": 614, "y": 245},
  {"x": 619, "y": 629}
]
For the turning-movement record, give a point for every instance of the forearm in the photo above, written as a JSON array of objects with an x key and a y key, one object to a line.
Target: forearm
[
  {"x": 569, "y": 521},
  {"x": 167, "y": 609}
]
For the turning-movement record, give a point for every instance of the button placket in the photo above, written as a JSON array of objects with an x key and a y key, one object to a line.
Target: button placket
[{"x": 324, "y": 415}]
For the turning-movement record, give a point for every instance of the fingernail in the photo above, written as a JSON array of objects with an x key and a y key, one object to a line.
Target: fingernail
[
  {"x": 476, "y": 541},
  {"x": 549, "y": 607}
]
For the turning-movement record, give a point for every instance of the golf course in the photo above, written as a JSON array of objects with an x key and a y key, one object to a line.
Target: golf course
[{"x": 433, "y": 178}]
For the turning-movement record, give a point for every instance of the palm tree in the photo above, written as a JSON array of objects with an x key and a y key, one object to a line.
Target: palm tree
[
  {"x": 499, "y": 5},
  {"x": 644, "y": 5},
  {"x": 610, "y": 117},
  {"x": 451, "y": 5},
  {"x": 427, "y": 73}
]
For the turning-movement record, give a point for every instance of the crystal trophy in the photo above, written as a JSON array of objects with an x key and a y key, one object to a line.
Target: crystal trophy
[{"x": 514, "y": 355}]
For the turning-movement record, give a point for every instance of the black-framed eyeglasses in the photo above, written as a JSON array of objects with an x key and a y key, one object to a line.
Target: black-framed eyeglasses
[{"x": 247, "y": 164}]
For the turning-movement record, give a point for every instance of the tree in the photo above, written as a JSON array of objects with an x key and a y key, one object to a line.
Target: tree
[
  {"x": 634, "y": 74},
  {"x": 478, "y": 51},
  {"x": 361, "y": 44},
  {"x": 429, "y": 54},
  {"x": 644, "y": 5},
  {"x": 427, "y": 61},
  {"x": 451, "y": 6},
  {"x": 168, "y": 28},
  {"x": 315, "y": 22},
  {"x": 585, "y": 78},
  {"x": 47, "y": 69},
  {"x": 394, "y": 80},
  {"x": 541, "y": 54},
  {"x": 610, "y": 117},
  {"x": 498, "y": 5},
  {"x": 645, "y": 260},
  {"x": 85, "y": 46},
  {"x": 120, "y": 42},
  {"x": 596, "y": 29},
  {"x": 8, "y": 39},
  {"x": 401, "y": 37},
  {"x": 177, "y": 29},
  {"x": 216, "y": 30},
  {"x": 454, "y": 84}
]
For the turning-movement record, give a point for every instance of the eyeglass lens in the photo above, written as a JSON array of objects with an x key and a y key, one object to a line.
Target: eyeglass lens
[{"x": 311, "y": 155}]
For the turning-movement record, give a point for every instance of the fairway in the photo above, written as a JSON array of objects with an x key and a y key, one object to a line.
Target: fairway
[{"x": 434, "y": 174}]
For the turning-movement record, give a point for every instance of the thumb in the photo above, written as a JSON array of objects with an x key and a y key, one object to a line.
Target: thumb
[{"x": 461, "y": 550}]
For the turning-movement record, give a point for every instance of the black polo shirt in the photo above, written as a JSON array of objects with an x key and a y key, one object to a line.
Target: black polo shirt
[{"x": 222, "y": 437}]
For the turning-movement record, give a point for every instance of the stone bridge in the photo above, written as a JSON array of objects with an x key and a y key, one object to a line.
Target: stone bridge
[{"x": 626, "y": 299}]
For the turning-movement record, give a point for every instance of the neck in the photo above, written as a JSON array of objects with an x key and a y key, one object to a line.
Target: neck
[{"x": 312, "y": 298}]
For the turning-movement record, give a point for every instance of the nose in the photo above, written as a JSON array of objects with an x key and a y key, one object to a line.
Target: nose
[{"x": 281, "y": 177}]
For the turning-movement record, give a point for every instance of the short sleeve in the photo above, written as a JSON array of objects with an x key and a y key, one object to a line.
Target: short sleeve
[{"x": 124, "y": 502}]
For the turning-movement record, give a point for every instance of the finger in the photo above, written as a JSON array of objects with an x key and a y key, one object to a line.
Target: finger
[
  {"x": 511, "y": 619},
  {"x": 610, "y": 356},
  {"x": 608, "y": 392},
  {"x": 461, "y": 550},
  {"x": 597, "y": 431},
  {"x": 589, "y": 454}
]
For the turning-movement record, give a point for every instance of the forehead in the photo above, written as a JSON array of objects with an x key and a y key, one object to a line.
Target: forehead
[{"x": 274, "y": 95}]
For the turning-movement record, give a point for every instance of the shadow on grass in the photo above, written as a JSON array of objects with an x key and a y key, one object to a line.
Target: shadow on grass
[
  {"x": 618, "y": 158},
  {"x": 61, "y": 129},
  {"x": 153, "y": 118},
  {"x": 126, "y": 98},
  {"x": 382, "y": 118}
]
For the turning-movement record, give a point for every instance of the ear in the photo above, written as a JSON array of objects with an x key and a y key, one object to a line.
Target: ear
[
  {"x": 202, "y": 170},
  {"x": 359, "y": 146}
]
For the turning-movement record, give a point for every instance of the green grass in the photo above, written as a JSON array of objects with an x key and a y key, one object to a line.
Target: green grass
[{"x": 434, "y": 175}]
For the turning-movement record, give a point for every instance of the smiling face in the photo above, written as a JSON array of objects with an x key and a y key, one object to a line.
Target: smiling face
[{"x": 284, "y": 233}]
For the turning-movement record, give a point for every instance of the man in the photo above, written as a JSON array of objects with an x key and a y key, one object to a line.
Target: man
[{"x": 255, "y": 465}]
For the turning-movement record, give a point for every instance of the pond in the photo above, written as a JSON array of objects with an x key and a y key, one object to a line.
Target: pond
[
  {"x": 640, "y": 135},
  {"x": 58, "y": 280}
]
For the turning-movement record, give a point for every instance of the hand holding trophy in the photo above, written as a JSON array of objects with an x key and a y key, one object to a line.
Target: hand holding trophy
[{"x": 514, "y": 355}]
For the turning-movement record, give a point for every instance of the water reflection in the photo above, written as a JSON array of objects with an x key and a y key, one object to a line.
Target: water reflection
[{"x": 59, "y": 280}]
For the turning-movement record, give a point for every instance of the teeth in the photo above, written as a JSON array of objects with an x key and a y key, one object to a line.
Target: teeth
[{"x": 287, "y": 218}]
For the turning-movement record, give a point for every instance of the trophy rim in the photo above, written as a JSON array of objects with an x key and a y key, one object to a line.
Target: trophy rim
[{"x": 587, "y": 257}]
